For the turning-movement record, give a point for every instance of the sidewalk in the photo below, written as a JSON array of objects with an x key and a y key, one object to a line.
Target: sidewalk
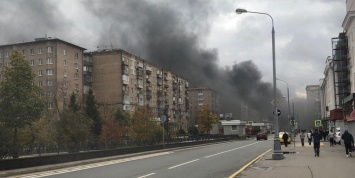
[{"x": 332, "y": 162}]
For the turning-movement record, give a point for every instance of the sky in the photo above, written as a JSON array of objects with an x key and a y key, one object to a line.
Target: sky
[{"x": 204, "y": 41}]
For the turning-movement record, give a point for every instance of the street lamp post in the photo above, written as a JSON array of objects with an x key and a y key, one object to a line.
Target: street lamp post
[
  {"x": 277, "y": 152},
  {"x": 288, "y": 98},
  {"x": 289, "y": 113}
]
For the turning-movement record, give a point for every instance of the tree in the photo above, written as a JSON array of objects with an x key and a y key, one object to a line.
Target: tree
[
  {"x": 93, "y": 113},
  {"x": 74, "y": 128},
  {"x": 20, "y": 104},
  {"x": 112, "y": 130},
  {"x": 73, "y": 105},
  {"x": 206, "y": 119},
  {"x": 143, "y": 125}
]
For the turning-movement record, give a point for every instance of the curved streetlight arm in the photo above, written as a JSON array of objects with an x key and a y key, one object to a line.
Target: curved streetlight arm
[{"x": 277, "y": 154}]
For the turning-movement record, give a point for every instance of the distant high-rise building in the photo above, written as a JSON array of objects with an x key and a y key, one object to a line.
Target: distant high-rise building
[
  {"x": 57, "y": 65},
  {"x": 199, "y": 97},
  {"x": 122, "y": 80},
  {"x": 313, "y": 101}
]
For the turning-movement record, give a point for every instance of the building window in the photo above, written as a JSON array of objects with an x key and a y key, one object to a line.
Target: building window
[
  {"x": 76, "y": 86},
  {"x": 76, "y": 65},
  {"x": 39, "y": 50},
  {"x": 76, "y": 55},
  {"x": 40, "y": 83},
  {"x": 40, "y": 73},
  {"x": 6, "y": 54},
  {"x": 49, "y": 83},
  {"x": 65, "y": 84},
  {"x": 234, "y": 128},
  {"x": 49, "y": 93},
  {"x": 49, "y": 61},
  {"x": 65, "y": 62},
  {"x": 76, "y": 76},
  {"x": 40, "y": 93},
  {"x": 49, "y": 49},
  {"x": 64, "y": 52},
  {"x": 65, "y": 74},
  {"x": 50, "y": 105},
  {"x": 0, "y": 55},
  {"x": 32, "y": 62},
  {"x": 24, "y": 52},
  {"x": 49, "y": 71},
  {"x": 32, "y": 51},
  {"x": 6, "y": 64},
  {"x": 39, "y": 61}
]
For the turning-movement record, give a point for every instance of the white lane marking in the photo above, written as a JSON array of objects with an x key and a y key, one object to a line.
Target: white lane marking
[
  {"x": 146, "y": 175},
  {"x": 183, "y": 164},
  {"x": 89, "y": 166},
  {"x": 230, "y": 150}
]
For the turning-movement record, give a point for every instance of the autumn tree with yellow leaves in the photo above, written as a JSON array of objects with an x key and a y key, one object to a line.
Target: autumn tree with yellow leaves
[
  {"x": 143, "y": 126},
  {"x": 206, "y": 119}
]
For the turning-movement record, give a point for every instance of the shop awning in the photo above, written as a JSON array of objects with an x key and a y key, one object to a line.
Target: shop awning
[
  {"x": 351, "y": 117},
  {"x": 336, "y": 114}
]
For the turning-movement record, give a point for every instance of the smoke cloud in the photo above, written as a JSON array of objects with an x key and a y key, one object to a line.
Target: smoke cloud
[{"x": 171, "y": 34}]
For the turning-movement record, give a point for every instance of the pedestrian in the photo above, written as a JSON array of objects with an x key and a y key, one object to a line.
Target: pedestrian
[
  {"x": 317, "y": 137},
  {"x": 309, "y": 136},
  {"x": 348, "y": 142},
  {"x": 331, "y": 136},
  {"x": 302, "y": 138},
  {"x": 285, "y": 138}
]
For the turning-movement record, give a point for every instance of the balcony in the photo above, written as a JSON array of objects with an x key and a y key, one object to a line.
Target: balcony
[
  {"x": 125, "y": 61},
  {"x": 148, "y": 79},
  {"x": 187, "y": 84},
  {"x": 125, "y": 79},
  {"x": 126, "y": 107},
  {"x": 125, "y": 92},
  {"x": 139, "y": 85},
  {"x": 140, "y": 65},
  {"x": 166, "y": 85},
  {"x": 159, "y": 82},
  {"x": 159, "y": 75},
  {"x": 148, "y": 70}
]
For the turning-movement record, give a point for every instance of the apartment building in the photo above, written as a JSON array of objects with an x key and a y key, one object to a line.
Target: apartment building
[
  {"x": 199, "y": 97},
  {"x": 122, "y": 80},
  {"x": 57, "y": 65}
]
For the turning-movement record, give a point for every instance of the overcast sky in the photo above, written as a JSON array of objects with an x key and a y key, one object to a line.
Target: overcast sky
[{"x": 211, "y": 28}]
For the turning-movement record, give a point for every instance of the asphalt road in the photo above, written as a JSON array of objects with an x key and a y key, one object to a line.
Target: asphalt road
[{"x": 214, "y": 161}]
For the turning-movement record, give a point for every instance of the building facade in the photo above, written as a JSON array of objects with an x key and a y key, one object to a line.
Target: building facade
[
  {"x": 199, "y": 97},
  {"x": 122, "y": 80},
  {"x": 313, "y": 101},
  {"x": 57, "y": 65}
]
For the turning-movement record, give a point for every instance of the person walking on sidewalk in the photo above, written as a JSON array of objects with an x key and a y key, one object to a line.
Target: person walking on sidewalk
[
  {"x": 285, "y": 138},
  {"x": 317, "y": 137},
  {"x": 309, "y": 136},
  {"x": 348, "y": 142},
  {"x": 331, "y": 138},
  {"x": 302, "y": 138}
]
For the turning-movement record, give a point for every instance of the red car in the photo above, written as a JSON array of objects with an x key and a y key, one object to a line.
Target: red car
[{"x": 261, "y": 135}]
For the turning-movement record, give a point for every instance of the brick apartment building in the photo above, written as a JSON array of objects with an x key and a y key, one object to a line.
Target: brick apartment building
[
  {"x": 57, "y": 65},
  {"x": 119, "y": 79},
  {"x": 122, "y": 80},
  {"x": 202, "y": 96}
]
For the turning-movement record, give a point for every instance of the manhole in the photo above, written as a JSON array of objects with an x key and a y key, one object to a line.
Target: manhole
[{"x": 263, "y": 168}]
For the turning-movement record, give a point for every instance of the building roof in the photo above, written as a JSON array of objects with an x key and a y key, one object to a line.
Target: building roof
[{"x": 37, "y": 40}]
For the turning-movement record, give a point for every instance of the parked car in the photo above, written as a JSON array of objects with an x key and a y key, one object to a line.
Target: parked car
[
  {"x": 282, "y": 140},
  {"x": 337, "y": 138},
  {"x": 261, "y": 135}
]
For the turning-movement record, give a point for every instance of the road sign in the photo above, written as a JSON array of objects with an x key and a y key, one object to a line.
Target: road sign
[
  {"x": 278, "y": 112},
  {"x": 318, "y": 123},
  {"x": 276, "y": 102}
]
